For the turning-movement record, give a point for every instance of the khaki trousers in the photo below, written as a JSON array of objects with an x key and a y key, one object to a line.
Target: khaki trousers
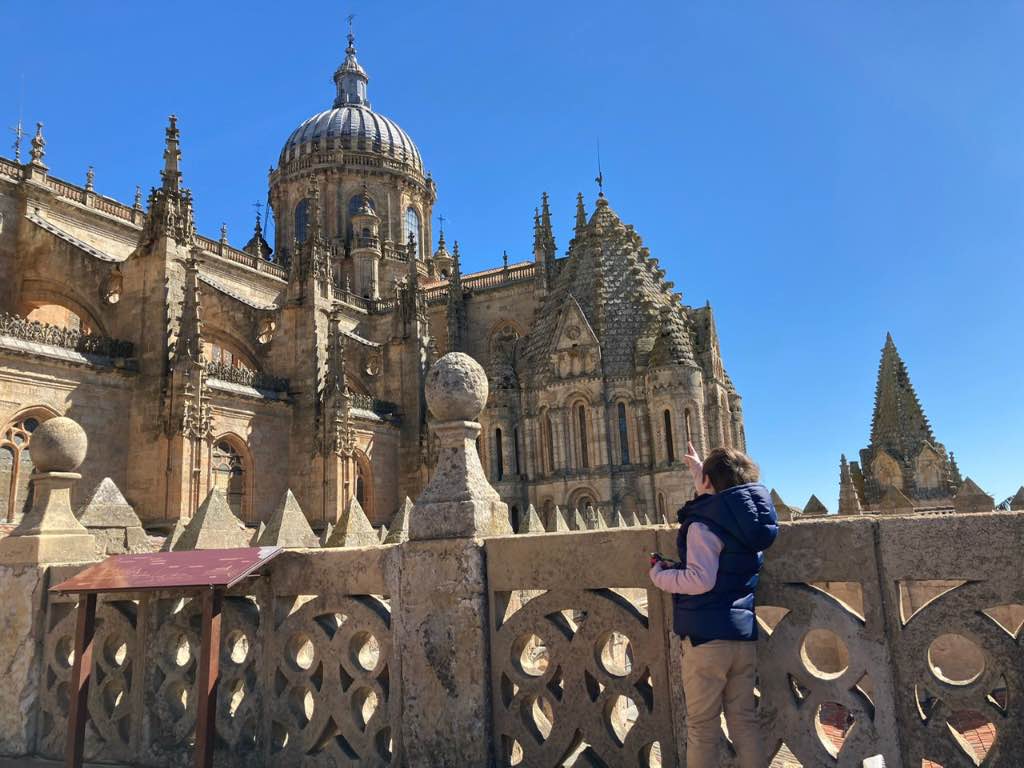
[{"x": 720, "y": 675}]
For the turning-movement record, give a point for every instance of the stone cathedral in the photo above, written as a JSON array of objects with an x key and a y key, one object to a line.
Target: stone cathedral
[{"x": 193, "y": 364}]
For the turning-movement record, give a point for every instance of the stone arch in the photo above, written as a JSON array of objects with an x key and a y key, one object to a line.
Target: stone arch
[
  {"x": 232, "y": 471},
  {"x": 220, "y": 346},
  {"x": 16, "y": 460},
  {"x": 38, "y": 295},
  {"x": 580, "y": 497},
  {"x": 581, "y": 429}
]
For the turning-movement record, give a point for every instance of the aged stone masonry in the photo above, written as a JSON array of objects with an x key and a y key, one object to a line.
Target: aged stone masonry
[
  {"x": 463, "y": 645},
  {"x": 193, "y": 364}
]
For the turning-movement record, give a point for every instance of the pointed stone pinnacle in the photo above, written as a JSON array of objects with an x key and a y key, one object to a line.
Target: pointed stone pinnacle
[
  {"x": 288, "y": 526},
  {"x": 559, "y": 522},
  {"x": 971, "y": 498},
  {"x": 353, "y": 528},
  {"x": 214, "y": 526},
  {"x": 579, "y": 523},
  {"x": 531, "y": 522},
  {"x": 814, "y": 507},
  {"x": 107, "y": 508},
  {"x": 399, "y": 532},
  {"x": 1017, "y": 502}
]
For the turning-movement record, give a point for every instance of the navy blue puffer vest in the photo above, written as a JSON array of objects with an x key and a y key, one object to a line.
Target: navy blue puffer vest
[{"x": 744, "y": 518}]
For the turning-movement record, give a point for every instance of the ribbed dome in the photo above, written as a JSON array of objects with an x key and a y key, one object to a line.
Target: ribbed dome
[
  {"x": 353, "y": 127},
  {"x": 350, "y": 123}
]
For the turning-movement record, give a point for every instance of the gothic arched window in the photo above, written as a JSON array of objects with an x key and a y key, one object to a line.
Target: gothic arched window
[
  {"x": 623, "y": 433},
  {"x": 670, "y": 448},
  {"x": 229, "y": 475},
  {"x": 549, "y": 441},
  {"x": 412, "y": 226},
  {"x": 686, "y": 424},
  {"x": 302, "y": 220},
  {"x": 499, "y": 457},
  {"x": 581, "y": 429},
  {"x": 357, "y": 201},
  {"x": 16, "y": 466}
]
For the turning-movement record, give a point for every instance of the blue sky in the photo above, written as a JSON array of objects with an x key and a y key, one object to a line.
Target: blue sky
[{"x": 822, "y": 172}]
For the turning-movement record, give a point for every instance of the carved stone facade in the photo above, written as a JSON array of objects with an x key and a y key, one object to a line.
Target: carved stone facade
[{"x": 300, "y": 364}]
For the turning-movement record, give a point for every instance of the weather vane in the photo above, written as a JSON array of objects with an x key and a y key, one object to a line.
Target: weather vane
[{"x": 600, "y": 175}]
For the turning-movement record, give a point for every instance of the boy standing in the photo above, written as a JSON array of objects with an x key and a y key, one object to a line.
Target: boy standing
[{"x": 723, "y": 532}]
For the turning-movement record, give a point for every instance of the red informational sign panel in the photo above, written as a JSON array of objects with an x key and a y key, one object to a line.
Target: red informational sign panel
[
  {"x": 208, "y": 572},
  {"x": 170, "y": 570}
]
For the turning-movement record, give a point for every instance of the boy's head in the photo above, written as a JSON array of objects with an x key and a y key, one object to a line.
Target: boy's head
[{"x": 726, "y": 467}]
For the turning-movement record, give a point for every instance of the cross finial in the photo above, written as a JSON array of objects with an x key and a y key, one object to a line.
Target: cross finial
[
  {"x": 351, "y": 35},
  {"x": 440, "y": 220},
  {"x": 19, "y": 134}
]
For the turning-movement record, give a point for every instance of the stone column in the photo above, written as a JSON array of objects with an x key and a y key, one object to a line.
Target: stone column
[
  {"x": 442, "y": 606},
  {"x": 49, "y": 534}
]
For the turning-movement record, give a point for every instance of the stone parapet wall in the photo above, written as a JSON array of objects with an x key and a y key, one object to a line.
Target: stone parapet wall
[{"x": 577, "y": 651}]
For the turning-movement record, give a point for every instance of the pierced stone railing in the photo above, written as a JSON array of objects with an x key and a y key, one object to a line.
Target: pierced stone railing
[
  {"x": 19, "y": 327},
  {"x": 246, "y": 377},
  {"x": 897, "y": 637},
  {"x": 309, "y": 675}
]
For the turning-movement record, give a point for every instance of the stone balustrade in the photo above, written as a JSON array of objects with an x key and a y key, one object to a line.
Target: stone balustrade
[
  {"x": 18, "y": 327},
  {"x": 582, "y": 665},
  {"x": 883, "y": 638}
]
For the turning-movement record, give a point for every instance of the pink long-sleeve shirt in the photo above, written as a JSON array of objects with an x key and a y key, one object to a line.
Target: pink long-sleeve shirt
[{"x": 701, "y": 569}]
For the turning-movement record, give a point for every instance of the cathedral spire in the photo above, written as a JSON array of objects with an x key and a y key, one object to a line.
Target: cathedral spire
[
  {"x": 171, "y": 174},
  {"x": 456, "y": 310},
  {"x": 581, "y": 214},
  {"x": 350, "y": 78},
  {"x": 547, "y": 234},
  {"x": 849, "y": 502},
  {"x": 898, "y": 424},
  {"x": 170, "y": 205}
]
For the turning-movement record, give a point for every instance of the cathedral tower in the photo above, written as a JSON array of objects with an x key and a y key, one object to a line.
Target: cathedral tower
[
  {"x": 903, "y": 453},
  {"x": 364, "y": 166}
]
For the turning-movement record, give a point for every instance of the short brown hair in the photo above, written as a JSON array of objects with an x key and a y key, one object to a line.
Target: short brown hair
[{"x": 726, "y": 467}]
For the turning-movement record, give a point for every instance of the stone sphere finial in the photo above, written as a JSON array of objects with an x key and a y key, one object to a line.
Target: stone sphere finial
[
  {"x": 456, "y": 388},
  {"x": 58, "y": 445}
]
